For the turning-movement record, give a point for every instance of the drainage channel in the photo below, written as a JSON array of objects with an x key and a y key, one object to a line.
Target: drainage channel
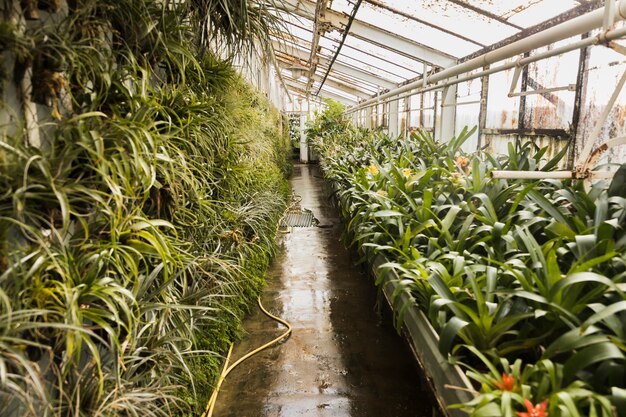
[{"x": 342, "y": 359}]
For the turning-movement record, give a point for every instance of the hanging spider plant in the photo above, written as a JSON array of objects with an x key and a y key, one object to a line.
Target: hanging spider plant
[{"x": 236, "y": 28}]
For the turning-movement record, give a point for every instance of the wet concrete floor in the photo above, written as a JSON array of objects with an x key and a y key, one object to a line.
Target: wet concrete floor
[{"x": 343, "y": 358}]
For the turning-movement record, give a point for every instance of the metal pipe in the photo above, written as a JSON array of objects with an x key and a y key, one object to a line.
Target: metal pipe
[
  {"x": 461, "y": 103},
  {"x": 609, "y": 14},
  {"x": 590, "y": 41},
  {"x": 569, "y": 87},
  {"x": 343, "y": 39},
  {"x": 573, "y": 27},
  {"x": 516, "y": 75},
  {"x": 547, "y": 175},
  {"x": 532, "y": 175}
]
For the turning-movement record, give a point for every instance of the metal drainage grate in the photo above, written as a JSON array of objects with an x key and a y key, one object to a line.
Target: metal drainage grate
[{"x": 299, "y": 218}]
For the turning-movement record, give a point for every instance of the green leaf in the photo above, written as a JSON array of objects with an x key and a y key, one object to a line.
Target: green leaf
[
  {"x": 449, "y": 333},
  {"x": 578, "y": 278},
  {"x": 547, "y": 206},
  {"x": 387, "y": 213},
  {"x": 589, "y": 356},
  {"x": 618, "y": 399},
  {"x": 604, "y": 313},
  {"x": 618, "y": 184}
]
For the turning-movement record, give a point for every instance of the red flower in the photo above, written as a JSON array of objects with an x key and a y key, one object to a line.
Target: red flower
[
  {"x": 535, "y": 411},
  {"x": 507, "y": 384}
]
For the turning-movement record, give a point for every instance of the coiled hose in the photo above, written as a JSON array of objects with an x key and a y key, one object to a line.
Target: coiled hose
[{"x": 208, "y": 412}]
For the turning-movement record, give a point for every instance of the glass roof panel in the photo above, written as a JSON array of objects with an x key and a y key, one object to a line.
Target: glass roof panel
[
  {"x": 514, "y": 10},
  {"x": 340, "y": 76},
  {"x": 329, "y": 47},
  {"x": 366, "y": 89},
  {"x": 296, "y": 20},
  {"x": 535, "y": 12},
  {"x": 363, "y": 66},
  {"x": 334, "y": 90},
  {"x": 297, "y": 32},
  {"x": 408, "y": 29},
  {"x": 413, "y": 65},
  {"x": 455, "y": 18}
]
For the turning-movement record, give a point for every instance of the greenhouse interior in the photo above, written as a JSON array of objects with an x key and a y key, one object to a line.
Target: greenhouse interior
[{"x": 346, "y": 208}]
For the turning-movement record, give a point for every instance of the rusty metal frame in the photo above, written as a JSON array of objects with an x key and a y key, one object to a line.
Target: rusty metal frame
[
  {"x": 297, "y": 54},
  {"x": 368, "y": 32},
  {"x": 563, "y": 17},
  {"x": 581, "y": 88},
  {"x": 361, "y": 50},
  {"x": 422, "y": 21},
  {"x": 320, "y": 8},
  {"x": 482, "y": 113},
  {"x": 326, "y": 57},
  {"x": 485, "y": 13}
]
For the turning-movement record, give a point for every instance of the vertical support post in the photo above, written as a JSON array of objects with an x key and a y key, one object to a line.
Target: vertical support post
[
  {"x": 579, "y": 98},
  {"x": 368, "y": 117},
  {"x": 304, "y": 148},
  {"x": 392, "y": 115},
  {"x": 435, "y": 112},
  {"x": 444, "y": 126},
  {"x": 407, "y": 115},
  {"x": 521, "y": 123},
  {"x": 609, "y": 14},
  {"x": 482, "y": 115},
  {"x": 421, "y": 109}
]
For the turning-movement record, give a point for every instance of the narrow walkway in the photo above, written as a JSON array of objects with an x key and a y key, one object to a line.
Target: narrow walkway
[{"x": 340, "y": 360}]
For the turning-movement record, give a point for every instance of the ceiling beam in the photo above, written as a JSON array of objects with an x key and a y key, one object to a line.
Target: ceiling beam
[
  {"x": 318, "y": 30},
  {"x": 301, "y": 88},
  {"x": 485, "y": 13},
  {"x": 388, "y": 60},
  {"x": 340, "y": 86},
  {"x": 372, "y": 34},
  {"x": 359, "y": 63},
  {"x": 301, "y": 55},
  {"x": 405, "y": 15}
]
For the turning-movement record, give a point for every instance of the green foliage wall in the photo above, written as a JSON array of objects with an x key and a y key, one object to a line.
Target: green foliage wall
[{"x": 135, "y": 233}]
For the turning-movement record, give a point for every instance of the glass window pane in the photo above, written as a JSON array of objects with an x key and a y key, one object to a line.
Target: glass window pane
[
  {"x": 409, "y": 29},
  {"x": 502, "y": 111},
  {"x": 455, "y": 18},
  {"x": 329, "y": 47},
  {"x": 413, "y": 65},
  {"x": 532, "y": 13},
  {"x": 551, "y": 110}
]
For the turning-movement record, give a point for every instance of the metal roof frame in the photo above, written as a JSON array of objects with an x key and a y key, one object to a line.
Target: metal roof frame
[
  {"x": 300, "y": 54},
  {"x": 306, "y": 43},
  {"x": 362, "y": 30},
  {"x": 380, "y": 5},
  {"x": 358, "y": 76},
  {"x": 299, "y": 87},
  {"x": 570, "y": 28}
]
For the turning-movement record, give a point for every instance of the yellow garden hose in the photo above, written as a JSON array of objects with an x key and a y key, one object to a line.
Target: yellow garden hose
[{"x": 208, "y": 412}]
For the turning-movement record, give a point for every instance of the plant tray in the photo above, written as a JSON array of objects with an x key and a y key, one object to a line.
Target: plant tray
[{"x": 448, "y": 382}]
